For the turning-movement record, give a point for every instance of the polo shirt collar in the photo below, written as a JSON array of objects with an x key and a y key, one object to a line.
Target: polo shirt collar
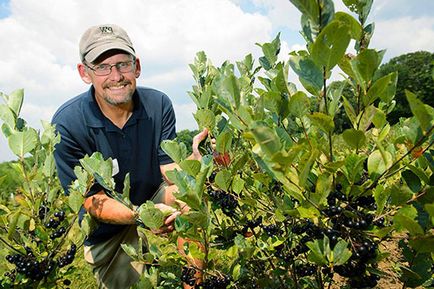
[{"x": 95, "y": 118}]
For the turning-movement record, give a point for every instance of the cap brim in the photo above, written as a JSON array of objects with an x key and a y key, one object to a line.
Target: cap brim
[{"x": 93, "y": 54}]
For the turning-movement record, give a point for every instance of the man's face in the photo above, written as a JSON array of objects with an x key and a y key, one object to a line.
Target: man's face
[{"x": 117, "y": 87}]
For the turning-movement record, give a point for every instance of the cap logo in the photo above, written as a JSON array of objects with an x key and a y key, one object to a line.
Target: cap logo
[{"x": 106, "y": 29}]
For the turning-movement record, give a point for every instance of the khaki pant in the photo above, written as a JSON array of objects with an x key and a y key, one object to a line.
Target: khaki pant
[{"x": 112, "y": 267}]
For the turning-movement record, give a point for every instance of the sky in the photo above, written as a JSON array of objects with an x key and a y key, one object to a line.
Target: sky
[{"x": 39, "y": 42}]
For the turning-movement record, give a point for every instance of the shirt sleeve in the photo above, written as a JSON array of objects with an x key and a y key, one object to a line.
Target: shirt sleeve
[{"x": 168, "y": 128}]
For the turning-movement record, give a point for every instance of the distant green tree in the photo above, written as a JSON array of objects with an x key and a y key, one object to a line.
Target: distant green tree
[
  {"x": 186, "y": 136},
  {"x": 414, "y": 74}
]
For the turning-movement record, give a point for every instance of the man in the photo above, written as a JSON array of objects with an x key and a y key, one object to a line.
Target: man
[{"x": 128, "y": 124}]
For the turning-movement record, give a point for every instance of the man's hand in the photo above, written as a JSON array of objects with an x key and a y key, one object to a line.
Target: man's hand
[{"x": 197, "y": 139}]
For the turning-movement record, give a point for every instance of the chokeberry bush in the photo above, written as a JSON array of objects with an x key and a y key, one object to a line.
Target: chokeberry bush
[
  {"x": 284, "y": 201},
  {"x": 37, "y": 220}
]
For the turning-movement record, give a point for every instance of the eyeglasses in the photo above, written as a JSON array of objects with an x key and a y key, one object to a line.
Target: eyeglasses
[{"x": 105, "y": 69}]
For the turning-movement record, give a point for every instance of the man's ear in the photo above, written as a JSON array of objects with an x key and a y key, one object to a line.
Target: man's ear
[
  {"x": 138, "y": 68},
  {"x": 84, "y": 74}
]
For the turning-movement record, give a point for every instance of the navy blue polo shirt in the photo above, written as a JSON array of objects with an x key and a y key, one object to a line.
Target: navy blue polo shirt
[{"x": 136, "y": 147}]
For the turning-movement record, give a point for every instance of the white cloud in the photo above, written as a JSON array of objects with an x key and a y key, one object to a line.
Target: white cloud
[
  {"x": 185, "y": 112},
  {"x": 404, "y": 35}
]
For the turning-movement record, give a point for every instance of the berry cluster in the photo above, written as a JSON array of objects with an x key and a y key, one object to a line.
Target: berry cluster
[
  {"x": 187, "y": 275},
  {"x": 305, "y": 270},
  {"x": 54, "y": 223},
  {"x": 272, "y": 230},
  {"x": 225, "y": 201},
  {"x": 29, "y": 266},
  {"x": 349, "y": 217},
  {"x": 68, "y": 257},
  {"x": 43, "y": 211},
  {"x": 215, "y": 282}
]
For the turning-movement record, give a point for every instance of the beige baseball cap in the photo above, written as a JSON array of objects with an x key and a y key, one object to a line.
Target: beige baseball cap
[{"x": 101, "y": 38}]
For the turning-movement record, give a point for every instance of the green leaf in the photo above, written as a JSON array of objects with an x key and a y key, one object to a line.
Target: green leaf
[
  {"x": 13, "y": 223},
  {"x": 383, "y": 88},
  {"x": 270, "y": 50},
  {"x": 299, "y": 104},
  {"x": 381, "y": 196},
  {"x": 96, "y": 164},
  {"x": 192, "y": 167},
  {"x": 341, "y": 253},
  {"x": 177, "y": 152},
  {"x": 331, "y": 44},
  {"x": 224, "y": 142},
  {"x": 151, "y": 216},
  {"x": 322, "y": 189},
  {"x": 223, "y": 179},
  {"x": 309, "y": 8},
  {"x": 49, "y": 166},
  {"x": 354, "y": 27},
  {"x": 310, "y": 75},
  {"x": 349, "y": 110},
  {"x": 187, "y": 188},
  {"x": 380, "y": 121},
  {"x": 22, "y": 142},
  {"x": 430, "y": 210},
  {"x": 317, "y": 252},
  {"x": 238, "y": 184},
  {"x": 15, "y": 101},
  {"x": 205, "y": 118},
  {"x": 75, "y": 201},
  {"x": 412, "y": 180},
  {"x": 88, "y": 224},
  {"x": 419, "y": 111},
  {"x": 377, "y": 164},
  {"x": 126, "y": 190},
  {"x": 422, "y": 244},
  {"x": 182, "y": 224},
  {"x": 410, "y": 225},
  {"x": 354, "y": 138},
  {"x": 130, "y": 250},
  {"x": 364, "y": 66},
  {"x": 322, "y": 121},
  {"x": 306, "y": 164},
  {"x": 7, "y": 116},
  {"x": 232, "y": 86},
  {"x": 267, "y": 139},
  {"x": 197, "y": 218}
]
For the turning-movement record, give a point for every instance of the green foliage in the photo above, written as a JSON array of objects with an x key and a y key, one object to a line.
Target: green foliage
[
  {"x": 293, "y": 195},
  {"x": 415, "y": 74},
  {"x": 39, "y": 240},
  {"x": 8, "y": 180}
]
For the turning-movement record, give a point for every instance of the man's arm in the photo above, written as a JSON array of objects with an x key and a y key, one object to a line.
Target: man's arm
[{"x": 109, "y": 210}]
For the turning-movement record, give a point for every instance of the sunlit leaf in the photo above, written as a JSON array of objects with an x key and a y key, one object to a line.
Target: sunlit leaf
[{"x": 23, "y": 142}]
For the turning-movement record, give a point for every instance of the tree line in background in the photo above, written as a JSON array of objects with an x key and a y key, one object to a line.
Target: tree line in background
[{"x": 414, "y": 73}]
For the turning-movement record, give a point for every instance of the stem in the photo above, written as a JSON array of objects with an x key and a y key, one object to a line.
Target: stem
[
  {"x": 26, "y": 178},
  {"x": 305, "y": 132},
  {"x": 327, "y": 112},
  {"x": 294, "y": 274}
]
